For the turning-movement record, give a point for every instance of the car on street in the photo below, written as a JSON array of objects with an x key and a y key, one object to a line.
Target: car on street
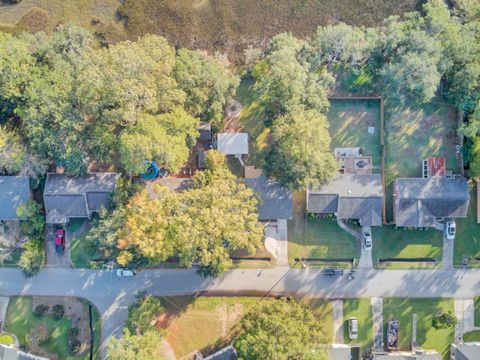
[
  {"x": 332, "y": 272},
  {"x": 59, "y": 240},
  {"x": 353, "y": 328},
  {"x": 367, "y": 237},
  {"x": 126, "y": 272},
  {"x": 450, "y": 230}
]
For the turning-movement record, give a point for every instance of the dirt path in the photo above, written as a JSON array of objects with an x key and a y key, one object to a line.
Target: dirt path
[{"x": 167, "y": 351}]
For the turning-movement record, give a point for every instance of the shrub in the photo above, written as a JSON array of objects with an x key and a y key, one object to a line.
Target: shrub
[
  {"x": 32, "y": 258},
  {"x": 40, "y": 309},
  {"x": 58, "y": 311},
  {"x": 443, "y": 321},
  {"x": 6, "y": 339},
  {"x": 73, "y": 333},
  {"x": 74, "y": 346}
]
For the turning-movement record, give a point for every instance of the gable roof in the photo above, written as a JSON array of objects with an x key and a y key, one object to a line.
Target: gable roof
[
  {"x": 14, "y": 191},
  {"x": 419, "y": 201},
  {"x": 350, "y": 196},
  {"x": 10, "y": 353},
  {"x": 227, "y": 353},
  {"x": 232, "y": 143},
  {"x": 276, "y": 200},
  {"x": 466, "y": 351},
  {"x": 68, "y": 196}
]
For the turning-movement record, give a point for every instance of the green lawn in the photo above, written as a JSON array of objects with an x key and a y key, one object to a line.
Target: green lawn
[
  {"x": 80, "y": 249},
  {"x": 389, "y": 242},
  {"x": 428, "y": 337},
  {"x": 317, "y": 238},
  {"x": 362, "y": 310},
  {"x": 349, "y": 122},
  {"x": 477, "y": 311},
  {"x": 20, "y": 320},
  {"x": 472, "y": 336},
  {"x": 413, "y": 134},
  {"x": 467, "y": 239},
  {"x": 323, "y": 311}
]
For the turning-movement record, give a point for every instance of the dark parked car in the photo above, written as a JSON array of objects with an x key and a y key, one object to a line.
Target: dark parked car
[
  {"x": 332, "y": 272},
  {"x": 59, "y": 240}
]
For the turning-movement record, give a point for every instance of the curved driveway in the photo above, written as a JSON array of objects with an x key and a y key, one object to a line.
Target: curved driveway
[{"x": 112, "y": 295}]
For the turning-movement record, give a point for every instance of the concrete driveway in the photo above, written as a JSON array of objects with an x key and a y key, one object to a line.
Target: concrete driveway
[{"x": 53, "y": 258}]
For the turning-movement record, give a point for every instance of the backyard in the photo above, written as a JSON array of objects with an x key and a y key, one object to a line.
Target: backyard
[
  {"x": 428, "y": 337},
  {"x": 390, "y": 242},
  {"x": 362, "y": 310},
  {"x": 467, "y": 239},
  {"x": 310, "y": 237},
  {"x": 47, "y": 335}
]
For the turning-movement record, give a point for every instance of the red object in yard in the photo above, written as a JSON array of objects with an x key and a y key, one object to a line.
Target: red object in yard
[
  {"x": 436, "y": 166},
  {"x": 60, "y": 240}
]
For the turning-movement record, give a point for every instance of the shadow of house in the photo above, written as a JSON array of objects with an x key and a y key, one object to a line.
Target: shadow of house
[
  {"x": 349, "y": 196},
  {"x": 14, "y": 191},
  {"x": 421, "y": 202},
  {"x": 67, "y": 197}
]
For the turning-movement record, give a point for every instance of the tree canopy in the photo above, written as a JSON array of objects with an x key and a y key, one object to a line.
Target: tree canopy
[
  {"x": 281, "y": 330},
  {"x": 136, "y": 347}
]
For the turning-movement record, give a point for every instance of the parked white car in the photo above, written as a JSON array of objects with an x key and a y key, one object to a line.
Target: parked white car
[
  {"x": 450, "y": 230},
  {"x": 367, "y": 237},
  {"x": 125, "y": 272},
  {"x": 353, "y": 328}
]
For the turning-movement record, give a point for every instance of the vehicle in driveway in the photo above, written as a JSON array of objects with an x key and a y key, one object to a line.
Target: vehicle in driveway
[
  {"x": 353, "y": 328},
  {"x": 332, "y": 272},
  {"x": 450, "y": 230},
  {"x": 367, "y": 237},
  {"x": 125, "y": 272},
  {"x": 60, "y": 240}
]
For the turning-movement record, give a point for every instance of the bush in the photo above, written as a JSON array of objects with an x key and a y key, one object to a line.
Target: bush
[
  {"x": 32, "y": 257},
  {"x": 6, "y": 339},
  {"x": 58, "y": 311},
  {"x": 74, "y": 346},
  {"x": 443, "y": 321},
  {"x": 40, "y": 309},
  {"x": 73, "y": 333}
]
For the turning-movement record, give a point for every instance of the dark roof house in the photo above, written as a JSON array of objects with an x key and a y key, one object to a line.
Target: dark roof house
[
  {"x": 68, "y": 197},
  {"x": 419, "y": 202},
  {"x": 276, "y": 200},
  {"x": 10, "y": 353},
  {"x": 14, "y": 191},
  {"x": 349, "y": 196}
]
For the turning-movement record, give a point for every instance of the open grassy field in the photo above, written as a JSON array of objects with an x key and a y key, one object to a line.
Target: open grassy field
[
  {"x": 399, "y": 243},
  {"x": 362, "y": 310},
  {"x": 206, "y": 323},
  {"x": 317, "y": 238},
  {"x": 414, "y": 133},
  {"x": 467, "y": 239},
  {"x": 349, "y": 122},
  {"x": 428, "y": 337}
]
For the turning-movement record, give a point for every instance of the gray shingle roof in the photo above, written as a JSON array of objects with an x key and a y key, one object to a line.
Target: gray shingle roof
[
  {"x": 14, "y": 190},
  {"x": 419, "y": 202},
  {"x": 276, "y": 200},
  {"x": 76, "y": 196},
  {"x": 467, "y": 351},
  {"x": 350, "y": 196},
  {"x": 232, "y": 143},
  {"x": 8, "y": 353},
  {"x": 227, "y": 353}
]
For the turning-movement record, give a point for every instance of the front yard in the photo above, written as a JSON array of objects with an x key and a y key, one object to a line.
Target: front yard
[
  {"x": 389, "y": 242},
  {"x": 467, "y": 239},
  {"x": 428, "y": 337},
  {"x": 362, "y": 310},
  {"x": 309, "y": 237},
  {"x": 47, "y": 335}
]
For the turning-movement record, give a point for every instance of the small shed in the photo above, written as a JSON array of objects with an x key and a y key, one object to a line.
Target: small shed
[{"x": 232, "y": 143}]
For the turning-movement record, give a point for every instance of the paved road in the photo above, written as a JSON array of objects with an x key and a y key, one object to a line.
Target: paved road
[{"x": 112, "y": 295}]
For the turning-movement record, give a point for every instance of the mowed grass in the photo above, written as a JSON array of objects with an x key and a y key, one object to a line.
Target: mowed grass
[
  {"x": 413, "y": 133},
  {"x": 232, "y": 25},
  {"x": 467, "y": 238},
  {"x": 317, "y": 238},
  {"x": 389, "y": 242},
  {"x": 349, "y": 122},
  {"x": 472, "y": 336},
  {"x": 362, "y": 310},
  {"x": 323, "y": 311},
  {"x": 428, "y": 337},
  {"x": 20, "y": 320}
]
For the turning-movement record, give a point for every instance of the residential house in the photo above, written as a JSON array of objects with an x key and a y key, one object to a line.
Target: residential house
[
  {"x": 14, "y": 191},
  {"x": 227, "y": 353},
  {"x": 68, "y": 197},
  {"x": 232, "y": 143},
  {"x": 418, "y": 354},
  {"x": 10, "y": 353},
  {"x": 465, "y": 351},
  {"x": 421, "y": 202},
  {"x": 349, "y": 196}
]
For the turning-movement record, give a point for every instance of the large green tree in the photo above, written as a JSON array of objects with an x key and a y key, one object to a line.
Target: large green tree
[
  {"x": 281, "y": 330},
  {"x": 143, "y": 313},
  {"x": 136, "y": 347},
  {"x": 12, "y": 151},
  {"x": 208, "y": 84},
  {"x": 300, "y": 155}
]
